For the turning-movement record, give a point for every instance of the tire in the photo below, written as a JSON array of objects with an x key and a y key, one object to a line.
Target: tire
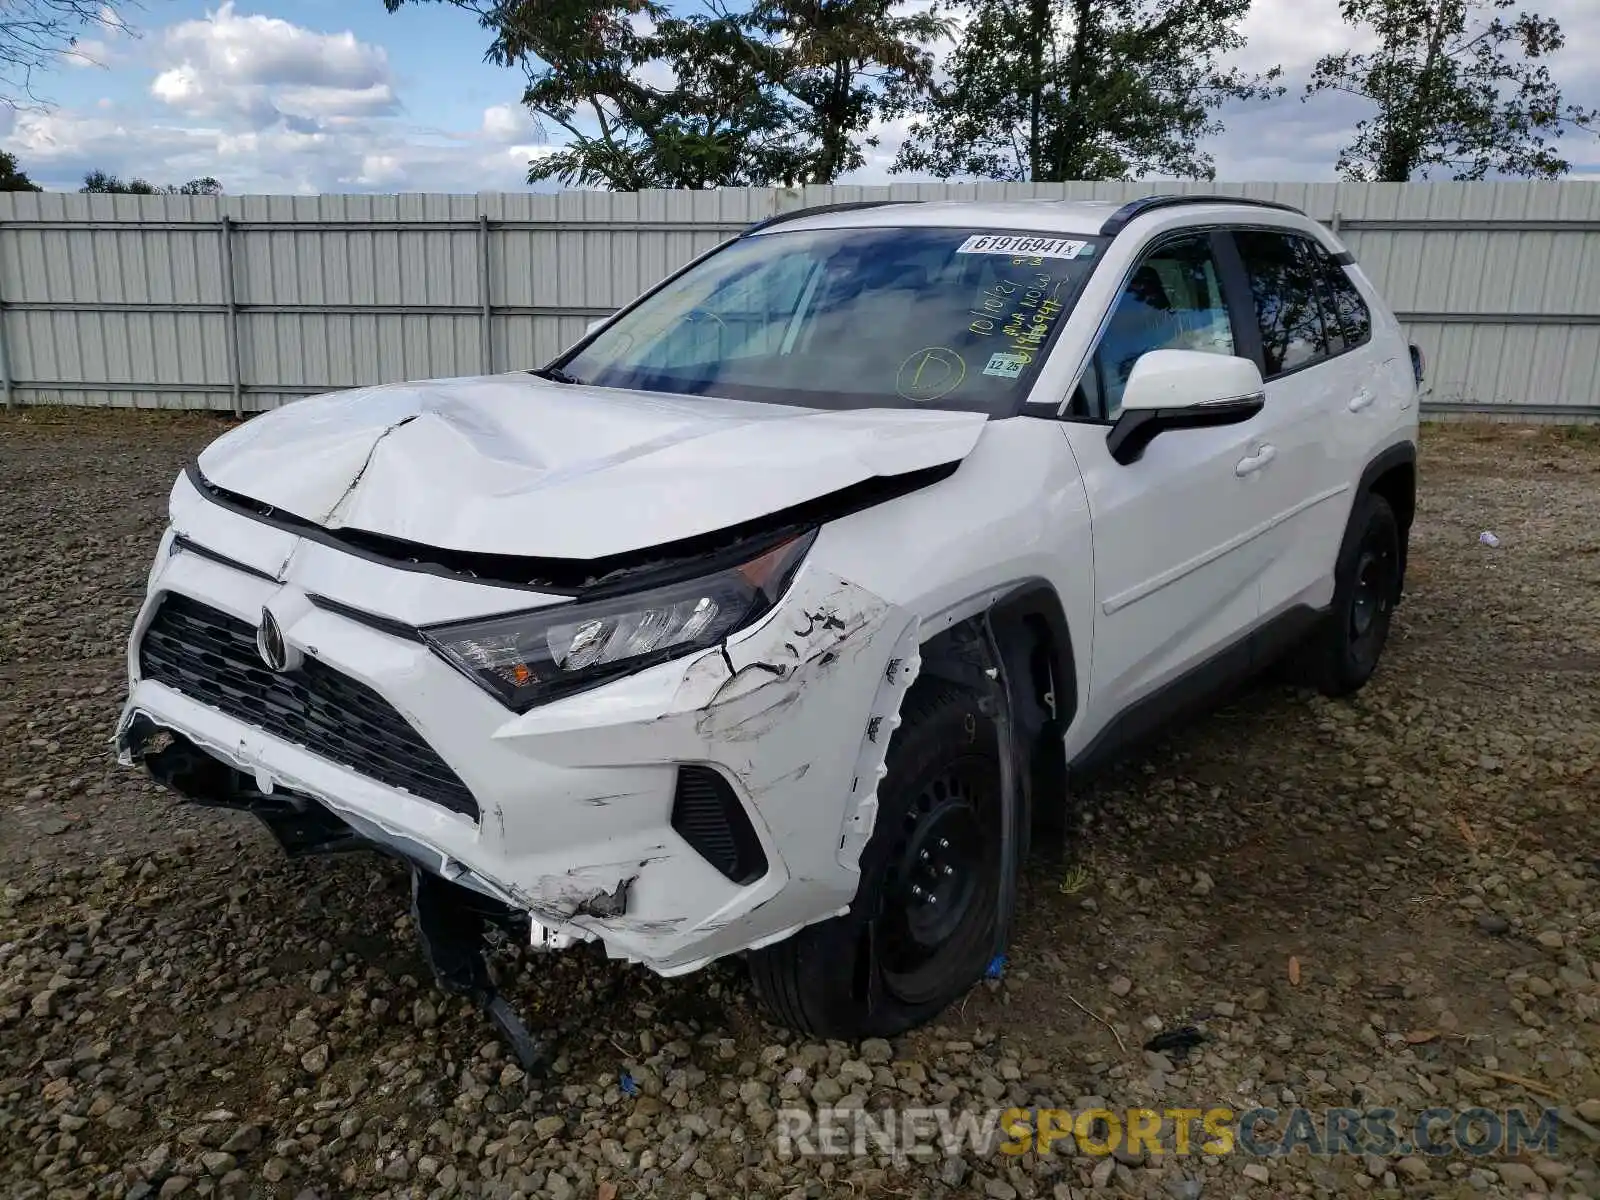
[
  {"x": 1343, "y": 652},
  {"x": 897, "y": 958}
]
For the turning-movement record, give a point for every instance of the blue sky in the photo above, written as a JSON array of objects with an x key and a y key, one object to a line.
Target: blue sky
[{"x": 306, "y": 96}]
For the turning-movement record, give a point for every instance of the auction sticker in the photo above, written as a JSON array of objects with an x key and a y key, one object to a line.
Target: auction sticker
[{"x": 1011, "y": 243}]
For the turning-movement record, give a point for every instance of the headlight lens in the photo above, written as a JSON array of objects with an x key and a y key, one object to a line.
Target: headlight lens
[{"x": 527, "y": 658}]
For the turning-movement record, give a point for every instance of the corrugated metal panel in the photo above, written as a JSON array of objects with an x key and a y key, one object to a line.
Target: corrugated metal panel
[{"x": 125, "y": 300}]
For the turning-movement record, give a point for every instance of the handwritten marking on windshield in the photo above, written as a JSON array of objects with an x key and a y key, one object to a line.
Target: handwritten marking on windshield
[{"x": 930, "y": 373}]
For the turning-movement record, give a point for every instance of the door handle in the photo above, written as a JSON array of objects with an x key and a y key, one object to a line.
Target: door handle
[
  {"x": 1362, "y": 399},
  {"x": 1252, "y": 463}
]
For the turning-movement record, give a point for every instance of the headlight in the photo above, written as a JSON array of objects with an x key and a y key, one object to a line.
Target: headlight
[{"x": 527, "y": 658}]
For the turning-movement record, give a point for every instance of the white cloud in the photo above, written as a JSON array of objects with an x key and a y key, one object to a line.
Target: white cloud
[
  {"x": 269, "y": 50},
  {"x": 103, "y": 45},
  {"x": 262, "y": 70},
  {"x": 380, "y": 170},
  {"x": 507, "y": 122}
]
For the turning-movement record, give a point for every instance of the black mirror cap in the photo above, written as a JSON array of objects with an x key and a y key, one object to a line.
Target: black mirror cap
[
  {"x": 1136, "y": 428},
  {"x": 1419, "y": 364}
]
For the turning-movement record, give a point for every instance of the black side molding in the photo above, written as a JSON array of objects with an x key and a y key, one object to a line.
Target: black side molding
[
  {"x": 1191, "y": 693},
  {"x": 1119, "y": 220}
]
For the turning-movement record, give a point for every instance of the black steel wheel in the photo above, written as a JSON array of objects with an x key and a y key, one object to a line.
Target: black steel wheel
[
  {"x": 1343, "y": 652},
  {"x": 923, "y": 926}
]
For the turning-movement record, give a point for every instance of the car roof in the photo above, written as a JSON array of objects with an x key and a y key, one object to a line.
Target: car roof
[{"x": 1078, "y": 217}]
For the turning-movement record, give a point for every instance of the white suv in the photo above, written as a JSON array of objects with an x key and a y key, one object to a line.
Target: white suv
[{"x": 778, "y": 614}]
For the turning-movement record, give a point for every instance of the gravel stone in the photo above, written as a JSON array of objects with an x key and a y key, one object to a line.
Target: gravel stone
[{"x": 184, "y": 1010}]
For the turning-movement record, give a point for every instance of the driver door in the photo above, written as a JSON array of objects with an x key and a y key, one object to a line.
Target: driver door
[{"x": 1177, "y": 563}]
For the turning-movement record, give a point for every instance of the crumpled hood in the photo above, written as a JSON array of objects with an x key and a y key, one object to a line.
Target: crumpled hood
[{"x": 517, "y": 465}]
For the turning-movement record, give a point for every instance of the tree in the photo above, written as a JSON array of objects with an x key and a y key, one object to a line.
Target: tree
[
  {"x": 1457, "y": 84},
  {"x": 781, "y": 91},
  {"x": 12, "y": 177},
  {"x": 1051, "y": 90},
  {"x": 35, "y": 35},
  {"x": 100, "y": 181},
  {"x": 844, "y": 65},
  {"x": 647, "y": 99}
]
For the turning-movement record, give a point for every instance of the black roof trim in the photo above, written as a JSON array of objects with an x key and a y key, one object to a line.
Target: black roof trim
[
  {"x": 794, "y": 214},
  {"x": 1119, "y": 220}
]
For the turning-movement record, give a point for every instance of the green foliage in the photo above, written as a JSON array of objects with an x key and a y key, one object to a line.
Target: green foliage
[
  {"x": 100, "y": 181},
  {"x": 1458, "y": 85},
  {"x": 1083, "y": 89},
  {"x": 780, "y": 92},
  {"x": 12, "y": 177}
]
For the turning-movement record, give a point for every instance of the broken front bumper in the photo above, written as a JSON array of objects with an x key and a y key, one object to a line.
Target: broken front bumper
[{"x": 575, "y": 800}]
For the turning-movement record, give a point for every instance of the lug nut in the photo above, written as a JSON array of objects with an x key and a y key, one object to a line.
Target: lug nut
[
  {"x": 943, "y": 844},
  {"x": 949, "y": 871},
  {"x": 915, "y": 890}
]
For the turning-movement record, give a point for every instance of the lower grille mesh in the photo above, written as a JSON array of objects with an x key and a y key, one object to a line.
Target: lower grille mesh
[{"x": 211, "y": 657}]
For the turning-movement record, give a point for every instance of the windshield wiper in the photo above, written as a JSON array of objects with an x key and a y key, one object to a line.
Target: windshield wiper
[{"x": 554, "y": 375}]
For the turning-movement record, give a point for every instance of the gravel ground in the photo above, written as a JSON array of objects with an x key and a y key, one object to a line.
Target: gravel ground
[{"x": 1393, "y": 901}]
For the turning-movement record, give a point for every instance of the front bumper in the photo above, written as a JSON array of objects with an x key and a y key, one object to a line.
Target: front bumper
[{"x": 574, "y": 798}]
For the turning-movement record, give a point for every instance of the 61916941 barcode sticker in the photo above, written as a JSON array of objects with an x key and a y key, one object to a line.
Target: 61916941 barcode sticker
[{"x": 1011, "y": 243}]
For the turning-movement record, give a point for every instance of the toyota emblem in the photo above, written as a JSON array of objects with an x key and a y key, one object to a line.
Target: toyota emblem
[{"x": 270, "y": 645}]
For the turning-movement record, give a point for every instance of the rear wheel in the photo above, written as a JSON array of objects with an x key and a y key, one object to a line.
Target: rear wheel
[
  {"x": 923, "y": 925},
  {"x": 1342, "y": 654}
]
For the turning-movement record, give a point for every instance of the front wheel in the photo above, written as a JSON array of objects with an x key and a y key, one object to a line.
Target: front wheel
[
  {"x": 922, "y": 928},
  {"x": 1342, "y": 654}
]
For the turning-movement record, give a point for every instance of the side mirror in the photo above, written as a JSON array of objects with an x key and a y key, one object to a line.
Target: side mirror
[{"x": 1182, "y": 389}]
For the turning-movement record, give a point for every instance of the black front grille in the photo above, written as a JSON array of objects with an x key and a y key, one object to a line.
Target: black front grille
[
  {"x": 708, "y": 816},
  {"x": 211, "y": 657}
]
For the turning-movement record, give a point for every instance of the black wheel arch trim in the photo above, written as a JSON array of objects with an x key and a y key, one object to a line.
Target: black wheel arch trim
[
  {"x": 1401, "y": 454},
  {"x": 1025, "y": 625}
]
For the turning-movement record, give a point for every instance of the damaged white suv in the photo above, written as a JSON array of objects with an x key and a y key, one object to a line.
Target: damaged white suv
[{"x": 777, "y": 615}]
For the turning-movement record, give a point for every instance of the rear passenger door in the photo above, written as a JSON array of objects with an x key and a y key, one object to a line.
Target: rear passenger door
[{"x": 1315, "y": 380}]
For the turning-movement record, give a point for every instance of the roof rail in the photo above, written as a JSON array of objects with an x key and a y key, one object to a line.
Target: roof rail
[
  {"x": 1119, "y": 220},
  {"x": 794, "y": 214}
]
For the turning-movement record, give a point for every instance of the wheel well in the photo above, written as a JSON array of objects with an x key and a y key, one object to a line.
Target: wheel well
[
  {"x": 1398, "y": 486},
  {"x": 1035, "y": 650}
]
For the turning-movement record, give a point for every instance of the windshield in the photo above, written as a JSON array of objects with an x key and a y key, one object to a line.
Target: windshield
[{"x": 852, "y": 318}]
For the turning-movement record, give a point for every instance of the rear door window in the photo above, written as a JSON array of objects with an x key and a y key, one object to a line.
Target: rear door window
[{"x": 1287, "y": 282}]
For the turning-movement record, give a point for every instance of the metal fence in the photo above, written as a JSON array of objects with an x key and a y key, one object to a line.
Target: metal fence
[{"x": 246, "y": 302}]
